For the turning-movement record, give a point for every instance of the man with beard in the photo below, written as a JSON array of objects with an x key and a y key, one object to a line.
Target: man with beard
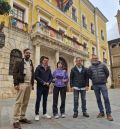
[
  {"x": 23, "y": 75},
  {"x": 98, "y": 73}
]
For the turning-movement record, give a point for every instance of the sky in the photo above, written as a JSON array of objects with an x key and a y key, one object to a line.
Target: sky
[{"x": 109, "y": 9}]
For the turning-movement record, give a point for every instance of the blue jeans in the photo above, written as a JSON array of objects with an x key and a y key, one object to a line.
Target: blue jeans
[
  {"x": 76, "y": 99},
  {"x": 98, "y": 89}
]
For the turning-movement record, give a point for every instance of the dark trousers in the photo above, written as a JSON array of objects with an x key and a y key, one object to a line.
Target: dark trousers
[
  {"x": 98, "y": 89},
  {"x": 76, "y": 100},
  {"x": 56, "y": 91},
  {"x": 41, "y": 91}
]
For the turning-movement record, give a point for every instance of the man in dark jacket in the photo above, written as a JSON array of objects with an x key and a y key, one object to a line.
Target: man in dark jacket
[
  {"x": 98, "y": 73},
  {"x": 43, "y": 77},
  {"x": 79, "y": 82},
  {"x": 23, "y": 75}
]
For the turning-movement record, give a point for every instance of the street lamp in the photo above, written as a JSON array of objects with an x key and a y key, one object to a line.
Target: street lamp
[
  {"x": 2, "y": 35},
  {"x": 2, "y": 40}
]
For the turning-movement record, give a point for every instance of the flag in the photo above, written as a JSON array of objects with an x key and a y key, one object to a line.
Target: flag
[
  {"x": 67, "y": 4},
  {"x": 64, "y": 5},
  {"x": 59, "y": 3}
]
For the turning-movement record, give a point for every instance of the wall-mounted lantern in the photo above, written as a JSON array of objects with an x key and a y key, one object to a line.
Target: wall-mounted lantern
[{"x": 2, "y": 35}]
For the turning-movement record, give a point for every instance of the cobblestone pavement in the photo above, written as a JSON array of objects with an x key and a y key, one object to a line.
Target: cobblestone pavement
[{"x": 6, "y": 112}]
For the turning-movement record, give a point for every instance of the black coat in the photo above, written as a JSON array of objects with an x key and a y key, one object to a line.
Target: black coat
[
  {"x": 18, "y": 72},
  {"x": 42, "y": 75},
  {"x": 98, "y": 73},
  {"x": 79, "y": 79}
]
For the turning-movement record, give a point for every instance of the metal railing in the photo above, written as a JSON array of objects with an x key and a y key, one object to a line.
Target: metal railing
[
  {"x": 55, "y": 34},
  {"x": 18, "y": 24}
]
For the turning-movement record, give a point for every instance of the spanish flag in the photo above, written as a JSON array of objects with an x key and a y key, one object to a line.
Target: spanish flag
[
  {"x": 64, "y": 5},
  {"x": 67, "y": 4}
]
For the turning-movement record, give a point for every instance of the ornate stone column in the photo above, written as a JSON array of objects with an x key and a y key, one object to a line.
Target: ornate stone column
[
  {"x": 57, "y": 54},
  {"x": 37, "y": 55}
]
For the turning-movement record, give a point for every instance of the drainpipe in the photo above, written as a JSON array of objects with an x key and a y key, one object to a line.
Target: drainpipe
[{"x": 96, "y": 34}]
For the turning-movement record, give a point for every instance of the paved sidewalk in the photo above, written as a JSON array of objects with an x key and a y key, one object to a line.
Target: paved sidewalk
[{"x": 6, "y": 112}]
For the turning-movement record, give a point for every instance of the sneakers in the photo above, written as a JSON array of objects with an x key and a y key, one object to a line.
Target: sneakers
[
  {"x": 109, "y": 117},
  {"x": 37, "y": 117},
  {"x": 56, "y": 116},
  {"x": 63, "y": 115},
  {"x": 16, "y": 125},
  {"x": 46, "y": 116},
  {"x": 75, "y": 115},
  {"x": 100, "y": 115},
  {"x": 85, "y": 114}
]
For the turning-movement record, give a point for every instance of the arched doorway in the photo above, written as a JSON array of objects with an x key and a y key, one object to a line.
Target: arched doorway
[
  {"x": 65, "y": 66},
  {"x": 15, "y": 55}
]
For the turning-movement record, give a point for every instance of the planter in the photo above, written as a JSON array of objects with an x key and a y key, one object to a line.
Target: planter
[{"x": 4, "y": 7}]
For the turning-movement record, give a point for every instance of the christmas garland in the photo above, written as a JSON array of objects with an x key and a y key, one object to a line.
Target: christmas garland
[{"x": 5, "y": 7}]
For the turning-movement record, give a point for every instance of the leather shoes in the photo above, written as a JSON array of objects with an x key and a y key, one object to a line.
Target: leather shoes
[
  {"x": 109, "y": 117},
  {"x": 16, "y": 125},
  {"x": 75, "y": 115},
  {"x": 25, "y": 121},
  {"x": 85, "y": 114},
  {"x": 101, "y": 115}
]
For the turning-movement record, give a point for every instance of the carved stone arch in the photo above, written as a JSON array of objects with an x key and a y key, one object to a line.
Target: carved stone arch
[
  {"x": 15, "y": 55},
  {"x": 65, "y": 65}
]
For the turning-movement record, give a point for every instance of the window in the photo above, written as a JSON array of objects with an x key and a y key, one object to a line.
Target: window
[
  {"x": 43, "y": 22},
  {"x": 114, "y": 45},
  {"x": 102, "y": 35},
  {"x": 74, "y": 14},
  {"x": 92, "y": 28},
  {"x": 93, "y": 51},
  {"x": 85, "y": 48},
  {"x": 15, "y": 55},
  {"x": 104, "y": 54},
  {"x": 19, "y": 13},
  {"x": 104, "y": 57},
  {"x": 84, "y": 21}
]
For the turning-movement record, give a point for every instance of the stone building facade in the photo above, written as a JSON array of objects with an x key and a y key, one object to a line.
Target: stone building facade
[
  {"x": 114, "y": 49},
  {"x": 114, "y": 46},
  {"x": 46, "y": 30}
]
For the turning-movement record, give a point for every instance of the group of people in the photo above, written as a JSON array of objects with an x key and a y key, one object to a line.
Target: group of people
[{"x": 24, "y": 75}]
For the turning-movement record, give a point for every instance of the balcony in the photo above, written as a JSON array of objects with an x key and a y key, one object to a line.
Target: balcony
[
  {"x": 57, "y": 37},
  {"x": 16, "y": 23}
]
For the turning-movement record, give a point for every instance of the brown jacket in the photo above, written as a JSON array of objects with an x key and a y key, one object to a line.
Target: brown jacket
[{"x": 18, "y": 72}]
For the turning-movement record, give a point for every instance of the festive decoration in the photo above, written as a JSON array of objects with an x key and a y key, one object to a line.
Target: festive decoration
[{"x": 4, "y": 7}]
